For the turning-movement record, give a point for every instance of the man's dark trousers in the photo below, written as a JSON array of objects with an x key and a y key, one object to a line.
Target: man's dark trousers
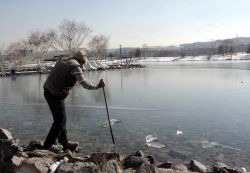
[{"x": 58, "y": 129}]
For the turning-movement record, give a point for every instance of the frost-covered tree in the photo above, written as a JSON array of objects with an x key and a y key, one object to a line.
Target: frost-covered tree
[
  {"x": 70, "y": 35},
  {"x": 99, "y": 45},
  {"x": 14, "y": 51}
]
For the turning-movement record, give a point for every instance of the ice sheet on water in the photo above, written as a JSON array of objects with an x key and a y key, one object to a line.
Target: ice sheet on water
[
  {"x": 155, "y": 144},
  {"x": 179, "y": 132},
  {"x": 150, "y": 138},
  {"x": 207, "y": 144},
  {"x": 105, "y": 124},
  {"x": 152, "y": 141}
]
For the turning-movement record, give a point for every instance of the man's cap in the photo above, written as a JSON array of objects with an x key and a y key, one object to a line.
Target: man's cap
[{"x": 81, "y": 55}]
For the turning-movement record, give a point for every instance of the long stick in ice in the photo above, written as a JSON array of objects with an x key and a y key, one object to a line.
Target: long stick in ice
[{"x": 108, "y": 116}]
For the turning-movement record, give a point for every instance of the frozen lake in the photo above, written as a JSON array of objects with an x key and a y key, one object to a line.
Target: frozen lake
[{"x": 207, "y": 100}]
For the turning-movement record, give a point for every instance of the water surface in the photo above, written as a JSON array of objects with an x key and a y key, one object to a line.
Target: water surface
[{"x": 207, "y": 101}]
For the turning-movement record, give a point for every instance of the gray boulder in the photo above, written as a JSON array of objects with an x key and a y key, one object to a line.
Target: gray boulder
[
  {"x": 180, "y": 167},
  {"x": 102, "y": 158},
  {"x": 13, "y": 165},
  {"x": 41, "y": 153},
  {"x": 17, "y": 148},
  {"x": 151, "y": 159},
  {"x": 36, "y": 144},
  {"x": 134, "y": 162},
  {"x": 197, "y": 166},
  {"x": 223, "y": 168},
  {"x": 66, "y": 153},
  {"x": 36, "y": 165},
  {"x": 5, "y": 134},
  {"x": 6, "y": 152},
  {"x": 167, "y": 165},
  {"x": 89, "y": 167},
  {"x": 147, "y": 168},
  {"x": 138, "y": 153},
  {"x": 56, "y": 148},
  {"x": 111, "y": 167}
]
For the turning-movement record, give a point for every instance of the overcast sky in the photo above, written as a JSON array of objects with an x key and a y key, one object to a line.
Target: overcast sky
[{"x": 130, "y": 23}]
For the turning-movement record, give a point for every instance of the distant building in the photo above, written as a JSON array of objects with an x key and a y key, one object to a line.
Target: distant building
[
  {"x": 209, "y": 47},
  {"x": 213, "y": 44}
]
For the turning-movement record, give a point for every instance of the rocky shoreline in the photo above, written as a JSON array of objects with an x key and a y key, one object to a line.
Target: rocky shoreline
[{"x": 32, "y": 158}]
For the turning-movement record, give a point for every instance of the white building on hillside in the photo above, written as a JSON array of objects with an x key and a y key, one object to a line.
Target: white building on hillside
[{"x": 215, "y": 43}]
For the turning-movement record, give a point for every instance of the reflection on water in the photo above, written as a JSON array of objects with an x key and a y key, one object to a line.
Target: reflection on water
[{"x": 207, "y": 101}]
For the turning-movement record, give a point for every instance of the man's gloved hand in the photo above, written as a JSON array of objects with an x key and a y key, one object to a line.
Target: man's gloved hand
[{"x": 101, "y": 84}]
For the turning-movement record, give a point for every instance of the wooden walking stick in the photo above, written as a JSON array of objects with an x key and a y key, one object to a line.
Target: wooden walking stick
[{"x": 108, "y": 116}]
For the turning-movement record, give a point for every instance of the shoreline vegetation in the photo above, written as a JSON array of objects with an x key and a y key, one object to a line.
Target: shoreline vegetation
[
  {"x": 33, "y": 158},
  {"x": 13, "y": 69}
]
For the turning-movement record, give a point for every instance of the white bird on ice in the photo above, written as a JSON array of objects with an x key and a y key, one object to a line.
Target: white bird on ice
[{"x": 179, "y": 132}]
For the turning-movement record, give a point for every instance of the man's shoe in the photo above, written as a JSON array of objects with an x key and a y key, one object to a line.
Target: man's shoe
[{"x": 70, "y": 145}]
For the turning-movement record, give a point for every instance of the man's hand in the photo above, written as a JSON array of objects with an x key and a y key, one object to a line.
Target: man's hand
[{"x": 101, "y": 84}]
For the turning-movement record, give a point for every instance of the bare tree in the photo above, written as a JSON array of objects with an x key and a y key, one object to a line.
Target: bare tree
[
  {"x": 48, "y": 41},
  {"x": 248, "y": 48},
  {"x": 25, "y": 47},
  {"x": 231, "y": 51},
  {"x": 227, "y": 44},
  {"x": 40, "y": 42},
  {"x": 183, "y": 53},
  {"x": 70, "y": 35},
  {"x": 99, "y": 45},
  {"x": 221, "y": 50},
  {"x": 145, "y": 49},
  {"x": 138, "y": 53},
  {"x": 35, "y": 41},
  {"x": 1, "y": 56},
  {"x": 110, "y": 55},
  {"x": 14, "y": 51}
]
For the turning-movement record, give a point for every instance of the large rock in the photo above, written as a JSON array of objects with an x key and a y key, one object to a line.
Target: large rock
[
  {"x": 151, "y": 159},
  {"x": 36, "y": 144},
  {"x": 167, "y": 165},
  {"x": 223, "y": 168},
  {"x": 89, "y": 167},
  {"x": 36, "y": 165},
  {"x": 102, "y": 158},
  {"x": 6, "y": 152},
  {"x": 41, "y": 153},
  {"x": 111, "y": 167},
  {"x": 134, "y": 162},
  {"x": 138, "y": 153},
  {"x": 147, "y": 168},
  {"x": 5, "y": 134},
  {"x": 66, "y": 153},
  {"x": 220, "y": 168},
  {"x": 13, "y": 165},
  {"x": 180, "y": 167},
  {"x": 56, "y": 148},
  {"x": 197, "y": 166}
]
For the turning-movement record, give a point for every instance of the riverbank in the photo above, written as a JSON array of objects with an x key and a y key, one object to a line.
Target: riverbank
[
  {"x": 45, "y": 71},
  {"x": 120, "y": 64},
  {"x": 33, "y": 158}
]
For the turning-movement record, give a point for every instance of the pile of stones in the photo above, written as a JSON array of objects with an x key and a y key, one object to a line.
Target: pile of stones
[{"x": 33, "y": 158}]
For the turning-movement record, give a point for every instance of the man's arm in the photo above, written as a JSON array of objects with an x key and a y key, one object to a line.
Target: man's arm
[{"x": 77, "y": 72}]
